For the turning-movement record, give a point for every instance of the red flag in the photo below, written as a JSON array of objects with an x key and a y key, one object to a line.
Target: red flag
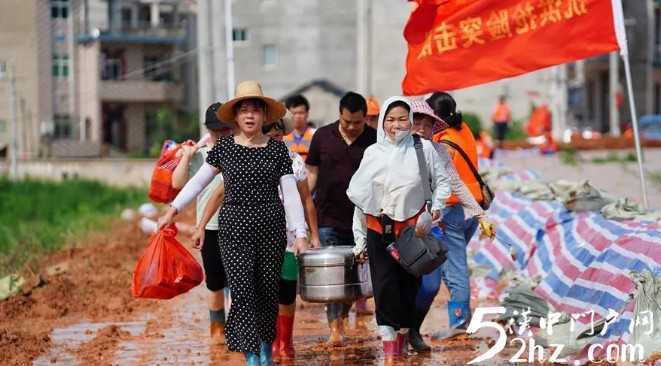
[{"x": 471, "y": 42}]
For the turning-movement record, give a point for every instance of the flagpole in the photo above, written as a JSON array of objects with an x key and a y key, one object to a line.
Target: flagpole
[
  {"x": 621, "y": 35},
  {"x": 636, "y": 136}
]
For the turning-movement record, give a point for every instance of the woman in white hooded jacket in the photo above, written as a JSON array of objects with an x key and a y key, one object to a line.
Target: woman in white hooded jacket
[{"x": 388, "y": 187}]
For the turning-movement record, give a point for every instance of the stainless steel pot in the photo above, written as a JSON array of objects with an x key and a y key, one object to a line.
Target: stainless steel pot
[{"x": 331, "y": 274}]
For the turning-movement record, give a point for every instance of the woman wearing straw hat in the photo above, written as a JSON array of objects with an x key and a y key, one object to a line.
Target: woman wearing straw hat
[
  {"x": 252, "y": 219},
  {"x": 283, "y": 347}
]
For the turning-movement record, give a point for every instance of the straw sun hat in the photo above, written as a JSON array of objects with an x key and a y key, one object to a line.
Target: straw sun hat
[{"x": 251, "y": 90}]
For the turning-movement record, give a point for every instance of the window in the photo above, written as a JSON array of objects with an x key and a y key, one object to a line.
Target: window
[
  {"x": 112, "y": 69},
  {"x": 62, "y": 126},
  {"x": 239, "y": 34},
  {"x": 112, "y": 64},
  {"x": 144, "y": 15},
  {"x": 3, "y": 70},
  {"x": 88, "y": 129},
  {"x": 3, "y": 126},
  {"x": 127, "y": 18},
  {"x": 59, "y": 9},
  {"x": 270, "y": 55},
  {"x": 156, "y": 68},
  {"x": 60, "y": 66}
]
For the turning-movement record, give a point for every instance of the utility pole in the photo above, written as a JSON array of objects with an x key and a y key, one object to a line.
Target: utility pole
[
  {"x": 229, "y": 44},
  {"x": 559, "y": 100},
  {"x": 13, "y": 145},
  {"x": 613, "y": 83},
  {"x": 204, "y": 60},
  {"x": 364, "y": 47}
]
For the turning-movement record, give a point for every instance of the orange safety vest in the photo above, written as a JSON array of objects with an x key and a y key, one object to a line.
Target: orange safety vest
[
  {"x": 300, "y": 144},
  {"x": 502, "y": 114},
  {"x": 464, "y": 138}
]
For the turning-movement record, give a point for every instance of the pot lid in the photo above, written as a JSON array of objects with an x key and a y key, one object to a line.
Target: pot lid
[{"x": 327, "y": 256}]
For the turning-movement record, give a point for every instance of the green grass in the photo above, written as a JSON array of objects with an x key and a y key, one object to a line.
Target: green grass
[
  {"x": 614, "y": 157},
  {"x": 568, "y": 155},
  {"x": 516, "y": 131},
  {"x": 37, "y": 217},
  {"x": 655, "y": 177}
]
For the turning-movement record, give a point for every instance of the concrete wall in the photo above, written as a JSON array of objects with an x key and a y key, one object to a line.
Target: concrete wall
[
  {"x": 317, "y": 40},
  {"x": 324, "y": 106},
  {"x": 521, "y": 92},
  {"x": 117, "y": 172}
]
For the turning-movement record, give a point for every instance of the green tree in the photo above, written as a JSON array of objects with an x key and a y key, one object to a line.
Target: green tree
[
  {"x": 167, "y": 124},
  {"x": 473, "y": 121}
]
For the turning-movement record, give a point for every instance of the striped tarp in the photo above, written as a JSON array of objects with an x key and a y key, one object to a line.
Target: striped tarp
[{"x": 583, "y": 259}]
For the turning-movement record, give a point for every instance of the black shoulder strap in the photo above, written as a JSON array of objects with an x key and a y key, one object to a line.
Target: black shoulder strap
[
  {"x": 422, "y": 165},
  {"x": 461, "y": 151}
]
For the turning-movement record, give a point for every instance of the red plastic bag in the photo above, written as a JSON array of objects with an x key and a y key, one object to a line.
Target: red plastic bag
[
  {"x": 160, "y": 188},
  {"x": 166, "y": 269}
]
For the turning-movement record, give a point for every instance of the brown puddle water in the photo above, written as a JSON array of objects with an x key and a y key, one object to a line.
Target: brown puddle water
[{"x": 177, "y": 334}]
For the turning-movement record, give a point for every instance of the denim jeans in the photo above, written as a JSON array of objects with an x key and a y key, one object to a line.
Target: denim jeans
[
  {"x": 330, "y": 236},
  {"x": 454, "y": 271}
]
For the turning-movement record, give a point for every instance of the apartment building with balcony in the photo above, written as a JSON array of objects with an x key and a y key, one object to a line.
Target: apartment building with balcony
[
  {"x": 91, "y": 74},
  {"x": 133, "y": 60}
]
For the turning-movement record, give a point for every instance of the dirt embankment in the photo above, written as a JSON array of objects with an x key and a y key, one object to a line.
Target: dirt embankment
[{"x": 90, "y": 280}]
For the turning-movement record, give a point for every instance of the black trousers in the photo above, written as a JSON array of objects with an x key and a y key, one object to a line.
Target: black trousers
[
  {"x": 214, "y": 272},
  {"x": 287, "y": 294},
  {"x": 500, "y": 130},
  {"x": 395, "y": 289}
]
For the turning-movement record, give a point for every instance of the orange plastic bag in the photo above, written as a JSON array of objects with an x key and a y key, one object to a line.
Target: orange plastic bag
[
  {"x": 160, "y": 188},
  {"x": 166, "y": 269}
]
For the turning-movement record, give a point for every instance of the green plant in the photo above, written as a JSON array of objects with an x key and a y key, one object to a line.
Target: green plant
[
  {"x": 515, "y": 132},
  {"x": 655, "y": 177},
  {"x": 167, "y": 124},
  {"x": 473, "y": 121},
  {"x": 37, "y": 217},
  {"x": 614, "y": 157},
  {"x": 568, "y": 155}
]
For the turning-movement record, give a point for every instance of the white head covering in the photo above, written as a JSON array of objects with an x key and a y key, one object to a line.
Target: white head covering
[{"x": 388, "y": 180}]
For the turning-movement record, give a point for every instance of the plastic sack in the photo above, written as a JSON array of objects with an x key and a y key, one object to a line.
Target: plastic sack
[
  {"x": 424, "y": 223},
  {"x": 647, "y": 313},
  {"x": 160, "y": 187},
  {"x": 166, "y": 269}
]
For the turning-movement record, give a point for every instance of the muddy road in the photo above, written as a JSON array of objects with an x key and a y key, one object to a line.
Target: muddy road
[{"x": 78, "y": 311}]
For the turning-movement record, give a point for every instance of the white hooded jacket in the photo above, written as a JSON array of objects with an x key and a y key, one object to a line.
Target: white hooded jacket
[{"x": 389, "y": 181}]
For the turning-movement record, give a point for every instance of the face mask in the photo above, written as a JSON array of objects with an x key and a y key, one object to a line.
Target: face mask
[{"x": 400, "y": 135}]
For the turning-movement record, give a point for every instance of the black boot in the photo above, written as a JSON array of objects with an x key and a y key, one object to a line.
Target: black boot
[{"x": 415, "y": 338}]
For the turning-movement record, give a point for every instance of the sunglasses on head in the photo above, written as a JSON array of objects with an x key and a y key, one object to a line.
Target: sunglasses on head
[{"x": 278, "y": 126}]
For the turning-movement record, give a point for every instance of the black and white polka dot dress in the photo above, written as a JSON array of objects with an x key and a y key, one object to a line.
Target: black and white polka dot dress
[{"x": 252, "y": 237}]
